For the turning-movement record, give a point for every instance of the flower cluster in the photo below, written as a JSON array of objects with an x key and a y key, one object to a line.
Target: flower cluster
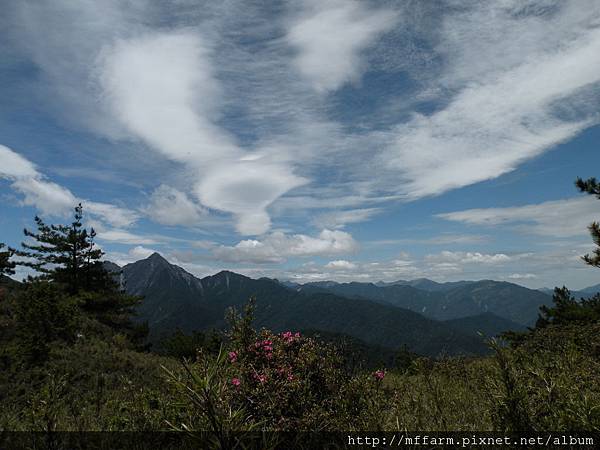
[
  {"x": 260, "y": 377},
  {"x": 265, "y": 347},
  {"x": 289, "y": 337},
  {"x": 379, "y": 375},
  {"x": 284, "y": 378}
]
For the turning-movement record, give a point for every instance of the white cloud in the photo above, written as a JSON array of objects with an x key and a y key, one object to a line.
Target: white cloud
[
  {"x": 339, "y": 219},
  {"x": 277, "y": 247},
  {"x": 522, "y": 276},
  {"x": 169, "y": 206},
  {"x": 111, "y": 214},
  {"x": 510, "y": 108},
  {"x": 330, "y": 36},
  {"x": 14, "y": 166},
  {"x": 558, "y": 218},
  {"x": 133, "y": 254},
  {"x": 140, "y": 252},
  {"x": 62, "y": 39},
  {"x": 442, "y": 239},
  {"x": 340, "y": 264},
  {"x": 162, "y": 88},
  {"x": 246, "y": 189},
  {"x": 124, "y": 237},
  {"x": 50, "y": 198},
  {"x": 468, "y": 258},
  {"x": 186, "y": 95}
]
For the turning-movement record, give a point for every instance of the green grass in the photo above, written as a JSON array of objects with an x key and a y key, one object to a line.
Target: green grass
[{"x": 549, "y": 381}]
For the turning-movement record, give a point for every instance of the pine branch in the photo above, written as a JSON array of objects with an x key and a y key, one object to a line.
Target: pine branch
[{"x": 590, "y": 186}]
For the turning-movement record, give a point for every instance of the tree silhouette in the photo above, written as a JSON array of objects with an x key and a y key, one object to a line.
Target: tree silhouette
[
  {"x": 7, "y": 267},
  {"x": 567, "y": 308},
  {"x": 592, "y": 187},
  {"x": 67, "y": 257},
  {"x": 66, "y": 254}
]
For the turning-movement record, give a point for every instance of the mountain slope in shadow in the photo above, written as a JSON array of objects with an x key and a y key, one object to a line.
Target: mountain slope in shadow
[{"x": 173, "y": 299}]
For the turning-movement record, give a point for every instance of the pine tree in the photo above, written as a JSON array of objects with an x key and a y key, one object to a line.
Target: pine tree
[
  {"x": 7, "y": 267},
  {"x": 567, "y": 309},
  {"x": 43, "y": 315},
  {"x": 592, "y": 187},
  {"x": 66, "y": 254}
]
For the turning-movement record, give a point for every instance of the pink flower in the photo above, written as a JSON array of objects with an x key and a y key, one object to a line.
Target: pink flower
[
  {"x": 288, "y": 336},
  {"x": 265, "y": 345},
  {"x": 233, "y": 356},
  {"x": 236, "y": 382},
  {"x": 379, "y": 375},
  {"x": 290, "y": 377},
  {"x": 260, "y": 377}
]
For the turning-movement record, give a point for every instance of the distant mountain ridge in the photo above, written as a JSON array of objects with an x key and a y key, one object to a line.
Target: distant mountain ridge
[
  {"x": 445, "y": 301},
  {"x": 591, "y": 290},
  {"x": 582, "y": 293},
  {"x": 173, "y": 299},
  {"x": 425, "y": 284}
]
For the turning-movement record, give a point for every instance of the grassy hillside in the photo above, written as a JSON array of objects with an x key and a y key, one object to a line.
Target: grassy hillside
[{"x": 549, "y": 380}]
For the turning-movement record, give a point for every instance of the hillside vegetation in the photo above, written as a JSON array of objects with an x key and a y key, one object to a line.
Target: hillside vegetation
[
  {"x": 72, "y": 359},
  {"x": 175, "y": 299}
]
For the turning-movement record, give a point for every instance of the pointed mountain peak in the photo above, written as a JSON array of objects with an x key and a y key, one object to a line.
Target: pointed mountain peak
[
  {"x": 154, "y": 261},
  {"x": 157, "y": 257},
  {"x": 227, "y": 274},
  {"x": 110, "y": 266}
]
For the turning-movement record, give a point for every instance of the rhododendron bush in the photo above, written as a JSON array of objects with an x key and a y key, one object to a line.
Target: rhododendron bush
[{"x": 278, "y": 381}]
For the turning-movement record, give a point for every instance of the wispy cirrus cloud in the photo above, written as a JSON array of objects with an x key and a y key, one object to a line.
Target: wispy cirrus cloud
[
  {"x": 339, "y": 219},
  {"x": 119, "y": 236},
  {"x": 163, "y": 89},
  {"x": 51, "y": 198},
  {"x": 170, "y": 88},
  {"x": 256, "y": 116},
  {"x": 496, "y": 113},
  {"x": 557, "y": 218}
]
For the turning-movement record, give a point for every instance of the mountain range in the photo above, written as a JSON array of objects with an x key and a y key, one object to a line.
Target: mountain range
[
  {"x": 445, "y": 301},
  {"x": 427, "y": 317},
  {"x": 582, "y": 293}
]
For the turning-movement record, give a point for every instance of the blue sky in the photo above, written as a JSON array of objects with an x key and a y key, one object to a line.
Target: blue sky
[{"x": 309, "y": 140}]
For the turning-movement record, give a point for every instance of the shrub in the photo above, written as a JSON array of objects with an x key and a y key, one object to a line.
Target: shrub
[
  {"x": 277, "y": 381},
  {"x": 43, "y": 314}
]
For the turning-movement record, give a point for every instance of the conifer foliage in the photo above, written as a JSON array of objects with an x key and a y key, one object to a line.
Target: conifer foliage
[
  {"x": 568, "y": 309},
  {"x": 7, "y": 267},
  {"x": 592, "y": 187},
  {"x": 65, "y": 254},
  {"x": 68, "y": 257}
]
